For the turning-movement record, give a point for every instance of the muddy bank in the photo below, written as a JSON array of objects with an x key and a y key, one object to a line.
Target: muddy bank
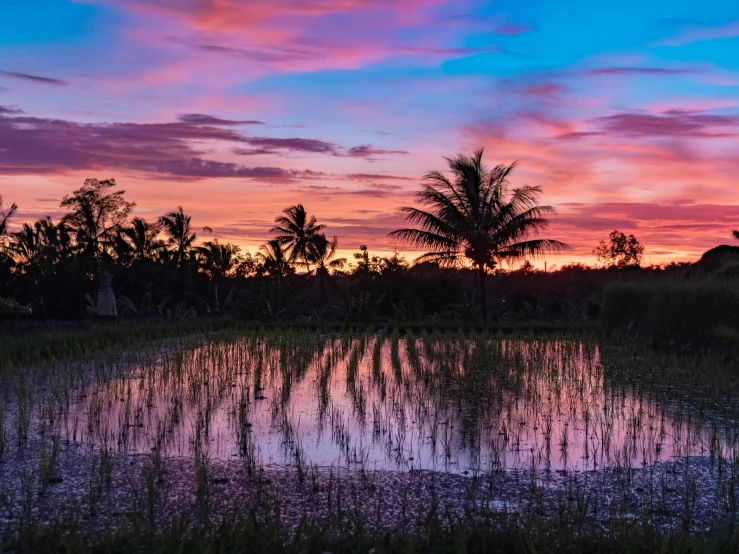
[{"x": 100, "y": 495}]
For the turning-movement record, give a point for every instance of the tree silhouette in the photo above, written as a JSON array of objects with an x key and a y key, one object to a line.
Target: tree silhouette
[
  {"x": 275, "y": 260},
  {"x": 37, "y": 249},
  {"x": 96, "y": 215},
  {"x": 619, "y": 251},
  {"x": 473, "y": 216},
  {"x": 56, "y": 240},
  {"x": 736, "y": 234},
  {"x": 26, "y": 245},
  {"x": 177, "y": 227},
  {"x": 5, "y": 219},
  {"x": 322, "y": 252},
  {"x": 220, "y": 260},
  {"x": 141, "y": 239},
  {"x": 296, "y": 230}
]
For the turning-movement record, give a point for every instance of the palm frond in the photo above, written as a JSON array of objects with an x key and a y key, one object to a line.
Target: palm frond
[{"x": 531, "y": 248}]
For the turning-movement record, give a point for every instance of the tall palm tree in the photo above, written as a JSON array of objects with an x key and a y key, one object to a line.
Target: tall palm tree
[
  {"x": 274, "y": 259},
  {"x": 296, "y": 230},
  {"x": 474, "y": 216},
  {"x": 177, "y": 226},
  {"x": 142, "y": 239}
]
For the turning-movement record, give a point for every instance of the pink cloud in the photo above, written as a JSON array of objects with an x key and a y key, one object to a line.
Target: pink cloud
[
  {"x": 666, "y": 176},
  {"x": 292, "y": 35}
]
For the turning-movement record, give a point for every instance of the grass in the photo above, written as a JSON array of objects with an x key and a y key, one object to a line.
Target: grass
[
  {"x": 29, "y": 343},
  {"x": 690, "y": 314},
  {"x": 24, "y": 343},
  {"x": 259, "y": 534}
]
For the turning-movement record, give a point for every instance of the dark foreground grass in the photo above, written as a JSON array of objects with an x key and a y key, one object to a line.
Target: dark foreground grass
[
  {"x": 691, "y": 314},
  {"x": 25, "y": 343},
  {"x": 436, "y": 535}
]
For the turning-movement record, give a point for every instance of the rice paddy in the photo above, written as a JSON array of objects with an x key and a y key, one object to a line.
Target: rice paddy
[{"x": 382, "y": 428}]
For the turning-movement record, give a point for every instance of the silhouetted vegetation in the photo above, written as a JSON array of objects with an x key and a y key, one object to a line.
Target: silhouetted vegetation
[
  {"x": 684, "y": 314},
  {"x": 619, "y": 251},
  {"x": 478, "y": 233},
  {"x": 474, "y": 216}
]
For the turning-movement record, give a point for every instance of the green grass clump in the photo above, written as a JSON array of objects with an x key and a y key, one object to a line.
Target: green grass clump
[{"x": 692, "y": 314}]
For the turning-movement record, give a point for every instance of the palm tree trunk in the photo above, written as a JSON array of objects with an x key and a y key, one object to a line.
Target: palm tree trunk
[
  {"x": 322, "y": 286},
  {"x": 483, "y": 294}
]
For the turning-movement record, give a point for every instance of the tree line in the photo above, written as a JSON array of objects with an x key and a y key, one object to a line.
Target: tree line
[{"x": 469, "y": 221}]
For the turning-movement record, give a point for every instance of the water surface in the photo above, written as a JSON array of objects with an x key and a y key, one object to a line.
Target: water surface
[{"x": 459, "y": 405}]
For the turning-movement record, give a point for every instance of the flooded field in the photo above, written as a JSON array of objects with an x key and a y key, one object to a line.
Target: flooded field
[
  {"x": 405, "y": 421},
  {"x": 454, "y": 406}
]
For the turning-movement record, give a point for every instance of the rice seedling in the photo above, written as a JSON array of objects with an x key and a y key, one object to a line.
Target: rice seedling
[{"x": 479, "y": 406}]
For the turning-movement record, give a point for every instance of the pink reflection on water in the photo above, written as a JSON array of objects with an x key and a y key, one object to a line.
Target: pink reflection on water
[{"x": 450, "y": 405}]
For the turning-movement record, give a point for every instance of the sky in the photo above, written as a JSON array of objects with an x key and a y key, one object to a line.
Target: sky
[{"x": 625, "y": 113}]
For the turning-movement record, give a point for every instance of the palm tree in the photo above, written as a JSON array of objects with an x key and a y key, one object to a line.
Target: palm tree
[
  {"x": 322, "y": 252},
  {"x": 220, "y": 260},
  {"x": 297, "y": 230},
  {"x": 141, "y": 239},
  {"x": 176, "y": 225},
  {"x": 736, "y": 234},
  {"x": 5, "y": 219},
  {"x": 26, "y": 245},
  {"x": 474, "y": 216},
  {"x": 274, "y": 259},
  {"x": 56, "y": 241},
  {"x": 41, "y": 244}
]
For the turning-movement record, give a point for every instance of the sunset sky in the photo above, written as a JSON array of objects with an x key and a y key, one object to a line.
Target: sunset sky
[{"x": 625, "y": 113}]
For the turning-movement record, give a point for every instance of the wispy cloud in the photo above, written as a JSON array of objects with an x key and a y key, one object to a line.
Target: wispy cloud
[
  {"x": 369, "y": 152},
  {"x": 34, "y": 78},
  {"x": 693, "y": 34},
  {"x": 265, "y": 145},
  {"x": 637, "y": 70},
  {"x": 674, "y": 123},
  {"x": 201, "y": 119}
]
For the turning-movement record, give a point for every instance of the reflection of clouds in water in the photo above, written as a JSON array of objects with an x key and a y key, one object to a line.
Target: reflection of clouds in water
[{"x": 460, "y": 406}]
